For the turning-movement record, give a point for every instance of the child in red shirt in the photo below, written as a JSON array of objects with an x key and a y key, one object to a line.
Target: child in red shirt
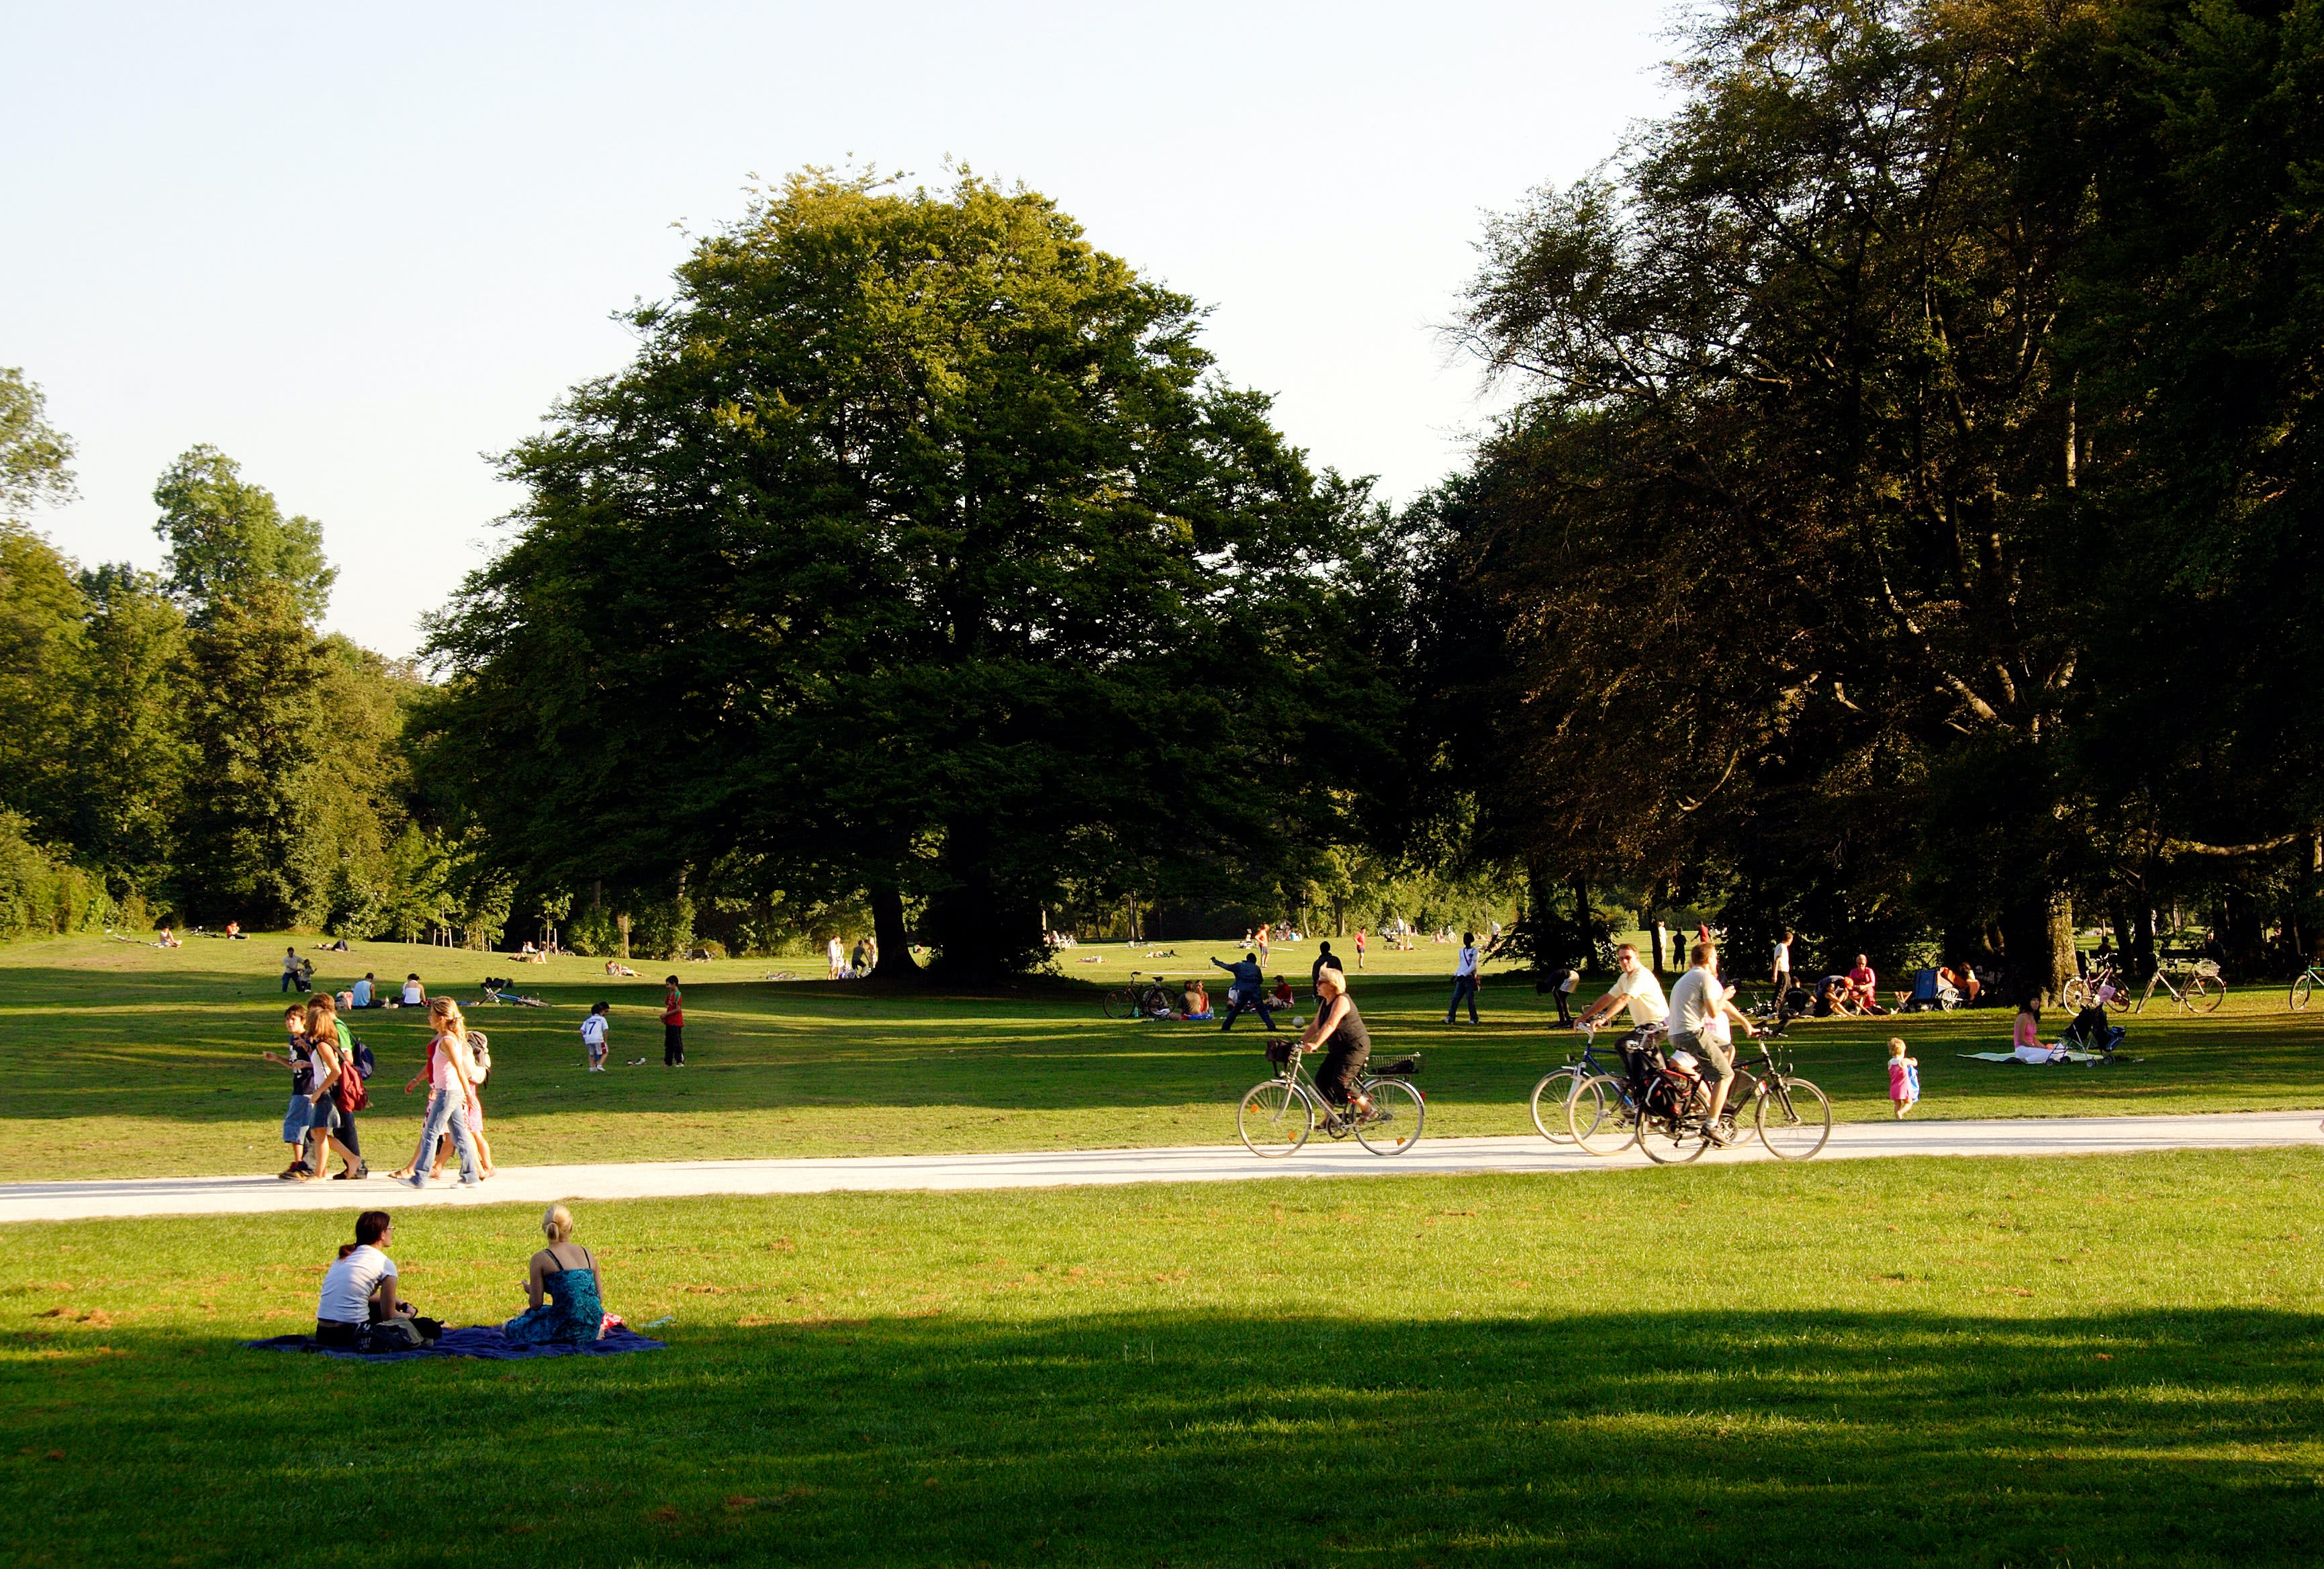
[{"x": 673, "y": 1026}]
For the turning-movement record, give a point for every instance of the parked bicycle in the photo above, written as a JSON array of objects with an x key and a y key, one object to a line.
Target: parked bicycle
[
  {"x": 1660, "y": 1108},
  {"x": 1276, "y": 1115},
  {"x": 2080, "y": 991},
  {"x": 2305, "y": 987},
  {"x": 1149, "y": 999},
  {"x": 2197, "y": 988}
]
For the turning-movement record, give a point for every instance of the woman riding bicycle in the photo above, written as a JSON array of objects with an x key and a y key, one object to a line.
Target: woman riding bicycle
[{"x": 1339, "y": 1030}]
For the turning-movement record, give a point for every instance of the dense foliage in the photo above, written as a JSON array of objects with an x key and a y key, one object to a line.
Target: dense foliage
[
  {"x": 919, "y": 553},
  {"x": 1909, "y": 524}
]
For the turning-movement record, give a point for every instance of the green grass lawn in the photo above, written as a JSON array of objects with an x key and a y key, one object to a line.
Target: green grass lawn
[
  {"x": 2090, "y": 1361},
  {"x": 120, "y": 1060}
]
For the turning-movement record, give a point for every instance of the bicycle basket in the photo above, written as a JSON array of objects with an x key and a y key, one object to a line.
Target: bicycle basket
[
  {"x": 1402, "y": 1067},
  {"x": 2208, "y": 968},
  {"x": 1278, "y": 1052}
]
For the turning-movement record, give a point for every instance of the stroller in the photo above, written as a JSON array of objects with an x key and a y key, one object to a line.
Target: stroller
[
  {"x": 2090, "y": 1031},
  {"x": 1931, "y": 993}
]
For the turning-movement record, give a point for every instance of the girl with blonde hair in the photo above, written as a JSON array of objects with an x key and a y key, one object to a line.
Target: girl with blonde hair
[
  {"x": 451, "y": 1081},
  {"x": 564, "y": 1286}
]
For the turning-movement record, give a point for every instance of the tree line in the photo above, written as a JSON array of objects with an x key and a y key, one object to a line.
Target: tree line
[{"x": 1903, "y": 533}]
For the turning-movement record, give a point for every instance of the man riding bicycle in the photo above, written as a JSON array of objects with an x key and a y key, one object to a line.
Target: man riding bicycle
[
  {"x": 1347, "y": 1045},
  {"x": 1636, "y": 986},
  {"x": 1698, "y": 1004}
]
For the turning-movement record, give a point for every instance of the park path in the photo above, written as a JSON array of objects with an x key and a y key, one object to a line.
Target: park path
[{"x": 166, "y": 1196}]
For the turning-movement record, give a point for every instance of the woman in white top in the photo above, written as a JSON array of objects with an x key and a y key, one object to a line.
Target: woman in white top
[
  {"x": 415, "y": 995},
  {"x": 359, "y": 1290}
]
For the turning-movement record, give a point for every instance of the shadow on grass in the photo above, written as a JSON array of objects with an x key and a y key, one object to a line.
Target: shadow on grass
[{"x": 1627, "y": 1438}]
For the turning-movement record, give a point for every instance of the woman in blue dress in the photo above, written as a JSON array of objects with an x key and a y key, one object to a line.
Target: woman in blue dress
[{"x": 568, "y": 1307}]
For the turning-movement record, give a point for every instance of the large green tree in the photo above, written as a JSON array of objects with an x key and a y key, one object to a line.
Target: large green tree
[
  {"x": 1914, "y": 426},
  {"x": 227, "y": 536},
  {"x": 921, "y": 553}
]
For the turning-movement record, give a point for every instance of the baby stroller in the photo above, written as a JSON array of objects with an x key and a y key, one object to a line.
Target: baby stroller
[
  {"x": 2091, "y": 1031},
  {"x": 1931, "y": 993}
]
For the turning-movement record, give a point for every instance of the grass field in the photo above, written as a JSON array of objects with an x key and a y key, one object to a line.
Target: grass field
[
  {"x": 120, "y": 1060},
  {"x": 2084, "y": 1361}
]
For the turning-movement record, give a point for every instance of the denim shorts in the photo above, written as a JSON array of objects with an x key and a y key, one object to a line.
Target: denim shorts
[{"x": 297, "y": 1120}]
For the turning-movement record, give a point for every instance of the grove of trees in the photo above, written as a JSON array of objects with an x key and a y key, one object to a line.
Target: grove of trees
[{"x": 1904, "y": 530}]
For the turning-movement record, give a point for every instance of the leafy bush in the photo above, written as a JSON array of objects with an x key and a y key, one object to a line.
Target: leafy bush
[{"x": 41, "y": 894}]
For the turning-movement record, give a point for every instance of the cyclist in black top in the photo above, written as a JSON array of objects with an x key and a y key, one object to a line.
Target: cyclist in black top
[{"x": 1339, "y": 1031}]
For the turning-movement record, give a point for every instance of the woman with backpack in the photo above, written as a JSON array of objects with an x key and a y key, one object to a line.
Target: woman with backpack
[{"x": 341, "y": 1083}]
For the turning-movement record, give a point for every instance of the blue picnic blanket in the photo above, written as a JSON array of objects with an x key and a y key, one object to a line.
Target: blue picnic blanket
[{"x": 485, "y": 1342}]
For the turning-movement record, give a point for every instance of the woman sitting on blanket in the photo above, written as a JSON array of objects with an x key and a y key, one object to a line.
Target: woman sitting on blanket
[
  {"x": 359, "y": 1290},
  {"x": 566, "y": 1273},
  {"x": 2027, "y": 1045}
]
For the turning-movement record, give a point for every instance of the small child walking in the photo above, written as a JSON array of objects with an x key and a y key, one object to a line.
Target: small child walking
[
  {"x": 1904, "y": 1078},
  {"x": 593, "y": 1031}
]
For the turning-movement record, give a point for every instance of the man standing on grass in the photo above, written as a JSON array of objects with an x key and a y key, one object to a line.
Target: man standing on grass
[
  {"x": 1783, "y": 975},
  {"x": 1325, "y": 959},
  {"x": 1465, "y": 978},
  {"x": 1248, "y": 990},
  {"x": 673, "y": 1026},
  {"x": 291, "y": 969}
]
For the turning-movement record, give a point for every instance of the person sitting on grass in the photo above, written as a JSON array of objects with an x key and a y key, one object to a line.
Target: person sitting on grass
[
  {"x": 2026, "y": 1045},
  {"x": 1198, "y": 1003},
  {"x": 563, "y": 1274},
  {"x": 614, "y": 969},
  {"x": 1284, "y": 996},
  {"x": 170, "y": 939},
  {"x": 359, "y": 1290},
  {"x": 415, "y": 995},
  {"x": 1861, "y": 980}
]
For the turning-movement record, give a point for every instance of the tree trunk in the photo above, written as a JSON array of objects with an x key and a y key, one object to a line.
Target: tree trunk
[
  {"x": 2038, "y": 946},
  {"x": 2141, "y": 940},
  {"x": 1580, "y": 958},
  {"x": 897, "y": 967}
]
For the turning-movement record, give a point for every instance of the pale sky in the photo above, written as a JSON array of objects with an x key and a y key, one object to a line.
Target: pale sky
[{"x": 361, "y": 249}]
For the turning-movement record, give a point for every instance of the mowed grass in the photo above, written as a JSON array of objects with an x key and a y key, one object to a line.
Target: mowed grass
[
  {"x": 2093, "y": 1361},
  {"x": 120, "y": 1060}
]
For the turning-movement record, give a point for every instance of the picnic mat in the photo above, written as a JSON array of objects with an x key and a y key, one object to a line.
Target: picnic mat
[
  {"x": 485, "y": 1342},
  {"x": 2081, "y": 1057}
]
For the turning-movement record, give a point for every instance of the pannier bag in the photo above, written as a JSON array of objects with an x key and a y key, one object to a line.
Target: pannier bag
[{"x": 1278, "y": 1052}]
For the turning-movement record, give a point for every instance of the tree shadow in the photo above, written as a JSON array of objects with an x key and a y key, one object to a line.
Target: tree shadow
[{"x": 1621, "y": 1437}]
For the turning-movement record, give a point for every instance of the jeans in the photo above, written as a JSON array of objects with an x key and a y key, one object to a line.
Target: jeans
[
  {"x": 1237, "y": 1003},
  {"x": 1462, "y": 986},
  {"x": 447, "y": 1108}
]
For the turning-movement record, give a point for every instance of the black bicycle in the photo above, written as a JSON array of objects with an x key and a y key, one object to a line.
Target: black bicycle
[
  {"x": 1153, "y": 999},
  {"x": 1662, "y": 1108}
]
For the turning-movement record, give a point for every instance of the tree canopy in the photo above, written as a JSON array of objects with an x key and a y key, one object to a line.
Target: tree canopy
[{"x": 920, "y": 551}]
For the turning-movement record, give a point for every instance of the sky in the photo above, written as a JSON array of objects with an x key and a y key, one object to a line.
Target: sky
[{"x": 362, "y": 249}]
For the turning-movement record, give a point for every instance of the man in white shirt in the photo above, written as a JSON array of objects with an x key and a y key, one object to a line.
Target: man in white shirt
[
  {"x": 1465, "y": 978},
  {"x": 1783, "y": 975},
  {"x": 1696, "y": 1000},
  {"x": 1636, "y": 986}
]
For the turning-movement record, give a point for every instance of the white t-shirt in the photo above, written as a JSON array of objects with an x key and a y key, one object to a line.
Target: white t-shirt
[
  {"x": 1645, "y": 994},
  {"x": 1693, "y": 1003},
  {"x": 1468, "y": 964},
  {"x": 412, "y": 993},
  {"x": 347, "y": 1288},
  {"x": 592, "y": 1031},
  {"x": 1783, "y": 957}
]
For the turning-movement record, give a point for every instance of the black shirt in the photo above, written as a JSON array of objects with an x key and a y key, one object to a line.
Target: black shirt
[
  {"x": 1323, "y": 962},
  {"x": 1350, "y": 1036}
]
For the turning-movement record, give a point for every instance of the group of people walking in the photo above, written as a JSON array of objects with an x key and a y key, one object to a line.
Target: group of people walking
[{"x": 329, "y": 1068}]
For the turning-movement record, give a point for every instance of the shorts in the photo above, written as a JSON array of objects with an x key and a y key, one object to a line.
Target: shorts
[
  {"x": 1718, "y": 1061},
  {"x": 297, "y": 1120}
]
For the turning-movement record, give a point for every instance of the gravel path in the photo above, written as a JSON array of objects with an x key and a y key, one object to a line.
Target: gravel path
[{"x": 161, "y": 1196}]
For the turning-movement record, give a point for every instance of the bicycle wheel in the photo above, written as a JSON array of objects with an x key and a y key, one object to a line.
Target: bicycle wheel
[
  {"x": 1397, "y": 1111},
  {"x": 2206, "y": 993},
  {"x": 1599, "y": 1118},
  {"x": 2301, "y": 991},
  {"x": 1554, "y": 1087},
  {"x": 1119, "y": 1005},
  {"x": 2074, "y": 995},
  {"x": 1793, "y": 1118},
  {"x": 1274, "y": 1118},
  {"x": 2148, "y": 995},
  {"x": 1664, "y": 1137}
]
